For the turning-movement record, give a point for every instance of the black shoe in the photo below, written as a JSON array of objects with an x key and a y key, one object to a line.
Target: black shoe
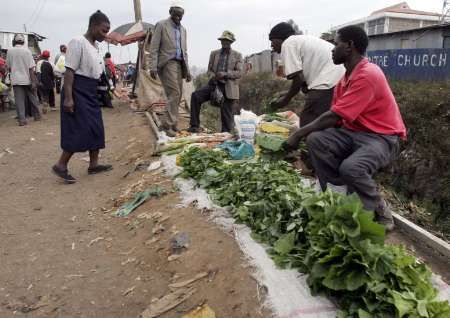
[
  {"x": 64, "y": 175},
  {"x": 99, "y": 169},
  {"x": 194, "y": 130}
]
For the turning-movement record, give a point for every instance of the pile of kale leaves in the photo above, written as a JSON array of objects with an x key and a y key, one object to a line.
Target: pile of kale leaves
[{"x": 327, "y": 235}]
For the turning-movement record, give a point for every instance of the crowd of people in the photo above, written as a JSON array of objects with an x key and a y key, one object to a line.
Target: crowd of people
[{"x": 350, "y": 120}]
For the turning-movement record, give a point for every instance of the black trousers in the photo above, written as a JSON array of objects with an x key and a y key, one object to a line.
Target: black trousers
[
  {"x": 317, "y": 102},
  {"x": 227, "y": 110},
  {"x": 344, "y": 157}
]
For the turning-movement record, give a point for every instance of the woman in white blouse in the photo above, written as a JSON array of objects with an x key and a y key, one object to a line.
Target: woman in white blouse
[{"x": 81, "y": 118}]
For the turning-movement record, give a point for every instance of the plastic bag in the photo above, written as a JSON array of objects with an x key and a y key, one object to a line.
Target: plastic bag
[
  {"x": 217, "y": 98},
  {"x": 246, "y": 124},
  {"x": 238, "y": 150}
]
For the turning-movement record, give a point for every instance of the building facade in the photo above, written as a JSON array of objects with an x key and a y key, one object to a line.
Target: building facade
[
  {"x": 396, "y": 18},
  {"x": 31, "y": 40}
]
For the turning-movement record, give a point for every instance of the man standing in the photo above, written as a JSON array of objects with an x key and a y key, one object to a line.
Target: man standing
[
  {"x": 169, "y": 60},
  {"x": 60, "y": 61},
  {"x": 225, "y": 67},
  {"x": 307, "y": 63},
  {"x": 23, "y": 78},
  {"x": 370, "y": 126},
  {"x": 47, "y": 82}
]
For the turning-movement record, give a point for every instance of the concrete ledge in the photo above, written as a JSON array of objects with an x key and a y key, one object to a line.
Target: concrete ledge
[{"x": 422, "y": 235}]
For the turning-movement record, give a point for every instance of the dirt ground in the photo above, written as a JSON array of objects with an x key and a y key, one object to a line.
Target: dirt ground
[{"x": 62, "y": 254}]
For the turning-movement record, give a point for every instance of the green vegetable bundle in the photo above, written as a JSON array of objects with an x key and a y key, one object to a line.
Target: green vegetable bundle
[{"x": 327, "y": 235}]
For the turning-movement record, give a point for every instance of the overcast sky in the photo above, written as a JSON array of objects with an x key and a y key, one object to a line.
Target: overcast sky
[{"x": 250, "y": 20}]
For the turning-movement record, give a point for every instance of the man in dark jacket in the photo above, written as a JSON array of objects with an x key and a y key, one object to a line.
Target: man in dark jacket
[
  {"x": 225, "y": 69},
  {"x": 47, "y": 82}
]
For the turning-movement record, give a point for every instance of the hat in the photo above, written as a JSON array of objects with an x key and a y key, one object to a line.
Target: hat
[
  {"x": 281, "y": 31},
  {"x": 176, "y": 3},
  {"x": 227, "y": 35},
  {"x": 19, "y": 38},
  {"x": 45, "y": 54}
]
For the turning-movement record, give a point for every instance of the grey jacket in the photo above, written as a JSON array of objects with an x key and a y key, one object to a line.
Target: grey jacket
[
  {"x": 163, "y": 46},
  {"x": 234, "y": 70}
]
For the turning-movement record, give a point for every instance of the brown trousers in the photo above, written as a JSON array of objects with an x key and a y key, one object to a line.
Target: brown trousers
[{"x": 172, "y": 81}]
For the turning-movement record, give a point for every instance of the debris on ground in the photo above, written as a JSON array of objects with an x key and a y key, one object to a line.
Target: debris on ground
[
  {"x": 203, "y": 311},
  {"x": 129, "y": 260},
  {"x": 158, "y": 229},
  {"x": 189, "y": 281},
  {"x": 25, "y": 306},
  {"x": 128, "y": 291},
  {"x": 168, "y": 302},
  {"x": 172, "y": 258},
  {"x": 95, "y": 240},
  {"x": 154, "y": 166},
  {"x": 179, "y": 242},
  {"x": 139, "y": 199}
]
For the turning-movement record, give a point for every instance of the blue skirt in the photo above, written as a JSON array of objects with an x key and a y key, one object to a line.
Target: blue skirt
[{"x": 83, "y": 130}]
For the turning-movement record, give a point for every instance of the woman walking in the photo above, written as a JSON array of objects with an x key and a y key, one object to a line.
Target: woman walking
[{"x": 81, "y": 118}]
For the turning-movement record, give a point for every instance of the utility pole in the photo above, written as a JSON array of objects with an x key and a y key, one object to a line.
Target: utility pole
[
  {"x": 137, "y": 10},
  {"x": 445, "y": 11}
]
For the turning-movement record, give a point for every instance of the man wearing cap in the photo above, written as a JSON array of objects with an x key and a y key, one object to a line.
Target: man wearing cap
[
  {"x": 47, "y": 82},
  {"x": 308, "y": 64},
  {"x": 23, "y": 78},
  {"x": 225, "y": 69},
  {"x": 169, "y": 61}
]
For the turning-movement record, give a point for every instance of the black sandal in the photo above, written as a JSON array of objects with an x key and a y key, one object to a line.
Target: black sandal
[
  {"x": 64, "y": 175},
  {"x": 99, "y": 169}
]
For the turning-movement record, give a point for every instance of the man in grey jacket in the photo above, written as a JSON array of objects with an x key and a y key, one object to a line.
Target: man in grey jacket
[
  {"x": 169, "y": 61},
  {"x": 225, "y": 69}
]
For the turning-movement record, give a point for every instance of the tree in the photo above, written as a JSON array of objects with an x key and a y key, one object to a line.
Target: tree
[{"x": 295, "y": 26}]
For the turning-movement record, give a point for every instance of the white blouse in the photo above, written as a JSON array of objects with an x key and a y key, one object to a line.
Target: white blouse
[{"x": 84, "y": 58}]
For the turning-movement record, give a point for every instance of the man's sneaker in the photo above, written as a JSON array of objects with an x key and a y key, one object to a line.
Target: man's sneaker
[
  {"x": 383, "y": 215},
  {"x": 63, "y": 175}
]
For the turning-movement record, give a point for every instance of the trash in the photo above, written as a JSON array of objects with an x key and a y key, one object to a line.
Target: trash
[
  {"x": 49, "y": 134},
  {"x": 201, "y": 312},
  {"x": 168, "y": 302},
  {"x": 173, "y": 257},
  {"x": 73, "y": 246},
  {"x": 75, "y": 276},
  {"x": 189, "y": 281},
  {"x": 129, "y": 260},
  {"x": 159, "y": 229},
  {"x": 95, "y": 240},
  {"x": 238, "y": 150},
  {"x": 246, "y": 124},
  {"x": 154, "y": 166},
  {"x": 151, "y": 241},
  {"x": 129, "y": 252},
  {"x": 32, "y": 139},
  {"x": 179, "y": 241},
  {"x": 139, "y": 198},
  {"x": 129, "y": 290}
]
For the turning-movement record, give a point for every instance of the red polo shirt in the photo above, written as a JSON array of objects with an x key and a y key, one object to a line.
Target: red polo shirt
[{"x": 365, "y": 102}]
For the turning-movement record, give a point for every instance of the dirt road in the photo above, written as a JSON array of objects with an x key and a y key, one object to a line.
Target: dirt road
[{"x": 62, "y": 254}]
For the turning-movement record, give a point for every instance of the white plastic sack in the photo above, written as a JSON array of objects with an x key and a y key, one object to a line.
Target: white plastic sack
[{"x": 246, "y": 124}]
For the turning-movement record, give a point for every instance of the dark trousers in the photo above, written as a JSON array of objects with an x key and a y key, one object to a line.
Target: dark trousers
[
  {"x": 227, "y": 110},
  {"x": 23, "y": 94},
  {"x": 58, "y": 81},
  {"x": 317, "y": 102},
  {"x": 344, "y": 157},
  {"x": 48, "y": 96}
]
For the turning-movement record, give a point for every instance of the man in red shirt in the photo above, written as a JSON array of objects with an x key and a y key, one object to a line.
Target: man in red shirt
[{"x": 369, "y": 121}]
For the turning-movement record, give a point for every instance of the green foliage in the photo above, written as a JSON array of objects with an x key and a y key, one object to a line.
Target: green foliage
[{"x": 327, "y": 235}]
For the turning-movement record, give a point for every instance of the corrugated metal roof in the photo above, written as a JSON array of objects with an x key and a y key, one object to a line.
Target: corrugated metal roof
[
  {"x": 430, "y": 27},
  {"x": 403, "y": 7}
]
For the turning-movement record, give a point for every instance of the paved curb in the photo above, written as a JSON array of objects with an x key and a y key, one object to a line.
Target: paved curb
[{"x": 423, "y": 236}]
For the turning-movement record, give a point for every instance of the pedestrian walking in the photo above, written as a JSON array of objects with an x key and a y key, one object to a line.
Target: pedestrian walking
[
  {"x": 60, "y": 61},
  {"x": 169, "y": 61},
  {"x": 81, "y": 117},
  {"x": 23, "y": 79},
  {"x": 47, "y": 82}
]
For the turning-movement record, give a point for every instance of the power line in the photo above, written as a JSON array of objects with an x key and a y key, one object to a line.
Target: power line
[
  {"x": 35, "y": 10},
  {"x": 38, "y": 15}
]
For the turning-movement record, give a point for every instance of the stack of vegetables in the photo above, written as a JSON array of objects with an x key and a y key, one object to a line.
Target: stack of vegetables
[
  {"x": 177, "y": 145},
  {"x": 327, "y": 235}
]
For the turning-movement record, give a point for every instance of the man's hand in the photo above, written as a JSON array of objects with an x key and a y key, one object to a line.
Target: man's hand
[
  {"x": 292, "y": 142},
  {"x": 220, "y": 76},
  {"x": 188, "y": 78},
  {"x": 153, "y": 74},
  {"x": 279, "y": 103},
  {"x": 69, "y": 106}
]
